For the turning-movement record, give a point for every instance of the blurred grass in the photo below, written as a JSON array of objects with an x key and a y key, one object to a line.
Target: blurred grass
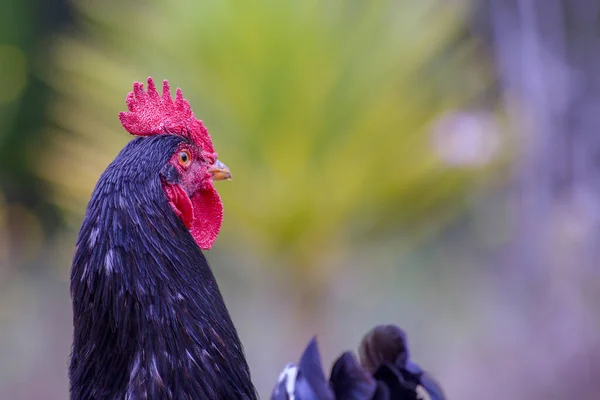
[{"x": 321, "y": 110}]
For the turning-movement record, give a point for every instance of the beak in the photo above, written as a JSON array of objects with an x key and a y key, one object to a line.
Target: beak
[{"x": 219, "y": 172}]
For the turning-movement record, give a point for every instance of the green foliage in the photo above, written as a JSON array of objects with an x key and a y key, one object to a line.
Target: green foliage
[{"x": 320, "y": 108}]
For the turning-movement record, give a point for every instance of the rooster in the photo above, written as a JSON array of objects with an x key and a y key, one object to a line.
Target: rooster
[{"x": 149, "y": 321}]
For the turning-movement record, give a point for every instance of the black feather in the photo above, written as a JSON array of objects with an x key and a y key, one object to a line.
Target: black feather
[
  {"x": 386, "y": 373},
  {"x": 306, "y": 381},
  {"x": 350, "y": 381},
  {"x": 384, "y": 353},
  {"x": 383, "y": 344},
  {"x": 399, "y": 388},
  {"x": 311, "y": 382},
  {"x": 149, "y": 319}
]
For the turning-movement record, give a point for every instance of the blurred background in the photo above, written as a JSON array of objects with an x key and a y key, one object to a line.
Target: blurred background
[{"x": 430, "y": 163}]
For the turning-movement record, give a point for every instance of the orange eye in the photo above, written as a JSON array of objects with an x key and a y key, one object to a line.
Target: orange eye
[{"x": 184, "y": 158}]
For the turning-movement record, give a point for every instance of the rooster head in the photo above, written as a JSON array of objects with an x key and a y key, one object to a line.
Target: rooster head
[{"x": 187, "y": 178}]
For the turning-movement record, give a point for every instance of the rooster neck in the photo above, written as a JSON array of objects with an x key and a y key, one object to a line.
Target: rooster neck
[{"x": 149, "y": 319}]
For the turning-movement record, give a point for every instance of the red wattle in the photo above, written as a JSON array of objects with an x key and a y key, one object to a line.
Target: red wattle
[
  {"x": 202, "y": 214},
  {"x": 208, "y": 216}
]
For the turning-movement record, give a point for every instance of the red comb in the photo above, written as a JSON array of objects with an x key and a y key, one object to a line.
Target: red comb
[{"x": 152, "y": 114}]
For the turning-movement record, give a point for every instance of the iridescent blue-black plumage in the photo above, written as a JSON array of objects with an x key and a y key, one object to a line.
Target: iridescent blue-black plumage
[
  {"x": 385, "y": 372},
  {"x": 149, "y": 319}
]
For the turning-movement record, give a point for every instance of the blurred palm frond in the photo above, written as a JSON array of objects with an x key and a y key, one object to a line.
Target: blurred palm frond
[{"x": 321, "y": 109}]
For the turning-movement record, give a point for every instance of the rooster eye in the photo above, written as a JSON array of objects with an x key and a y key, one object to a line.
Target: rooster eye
[{"x": 184, "y": 158}]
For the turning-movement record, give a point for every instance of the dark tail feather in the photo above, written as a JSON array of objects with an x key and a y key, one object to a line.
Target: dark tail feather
[
  {"x": 306, "y": 381},
  {"x": 385, "y": 372},
  {"x": 382, "y": 392},
  {"x": 384, "y": 353},
  {"x": 399, "y": 387},
  {"x": 383, "y": 344},
  {"x": 311, "y": 382},
  {"x": 350, "y": 381}
]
